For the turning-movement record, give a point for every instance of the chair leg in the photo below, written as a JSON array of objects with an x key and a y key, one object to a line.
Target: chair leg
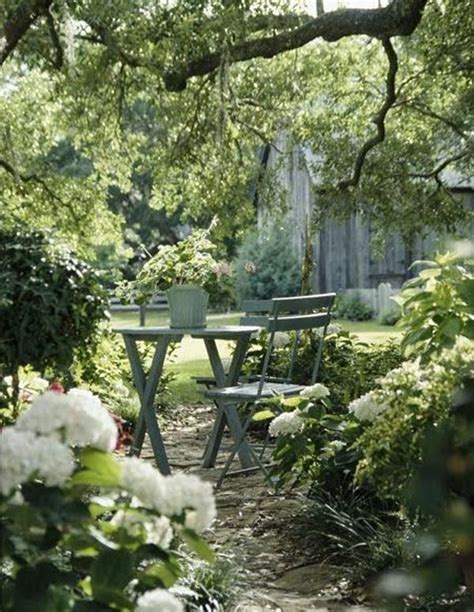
[{"x": 235, "y": 449}]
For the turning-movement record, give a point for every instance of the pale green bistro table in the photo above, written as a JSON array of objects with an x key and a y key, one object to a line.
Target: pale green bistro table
[{"x": 147, "y": 384}]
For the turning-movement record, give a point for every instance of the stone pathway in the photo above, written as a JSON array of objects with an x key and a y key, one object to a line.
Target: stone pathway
[{"x": 262, "y": 530}]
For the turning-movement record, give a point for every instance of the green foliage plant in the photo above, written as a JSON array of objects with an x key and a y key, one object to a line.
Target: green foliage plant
[
  {"x": 411, "y": 401},
  {"x": 313, "y": 445},
  {"x": 349, "y": 367},
  {"x": 351, "y": 306},
  {"x": 51, "y": 304},
  {"x": 188, "y": 262},
  {"x": 82, "y": 529},
  {"x": 266, "y": 265},
  {"x": 437, "y": 305}
]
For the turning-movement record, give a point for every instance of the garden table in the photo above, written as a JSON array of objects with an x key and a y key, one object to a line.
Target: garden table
[{"x": 147, "y": 384}]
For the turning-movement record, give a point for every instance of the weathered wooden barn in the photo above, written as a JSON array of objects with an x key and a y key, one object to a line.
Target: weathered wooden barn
[{"x": 344, "y": 254}]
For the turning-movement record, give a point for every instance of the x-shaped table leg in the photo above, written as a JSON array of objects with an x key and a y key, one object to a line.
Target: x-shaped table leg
[{"x": 146, "y": 387}]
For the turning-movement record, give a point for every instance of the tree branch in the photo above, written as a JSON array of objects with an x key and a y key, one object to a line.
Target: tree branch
[
  {"x": 27, "y": 178},
  {"x": 442, "y": 165},
  {"x": 58, "y": 60},
  {"x": 18, "y": 24},
  {"x": 379, "y": 119},
  {"x": 399, "y": 18}
]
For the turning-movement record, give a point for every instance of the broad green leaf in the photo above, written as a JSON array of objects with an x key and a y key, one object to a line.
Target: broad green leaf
[
  {"x": 111, "y": 572},
  {"x": 197, "y": 545},
  {"x": 102, "y": 469},
  {"x": 263, "y": 415}
]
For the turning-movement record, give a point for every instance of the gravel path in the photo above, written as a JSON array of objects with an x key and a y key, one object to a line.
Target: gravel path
[{"x": 263, "y": 531}]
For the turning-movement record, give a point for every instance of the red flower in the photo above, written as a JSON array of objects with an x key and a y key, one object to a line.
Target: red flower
[{"x": 56, "y": 387}]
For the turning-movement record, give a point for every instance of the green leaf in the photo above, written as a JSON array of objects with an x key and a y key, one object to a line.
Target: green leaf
[
  {"x": 197, "y": 545},
  {"x": 110, "y": 574},
  {"x": 263, "y": 415},
  {"x": 102, "y": 469}
]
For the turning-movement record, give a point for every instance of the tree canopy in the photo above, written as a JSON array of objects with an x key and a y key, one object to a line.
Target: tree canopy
[{"x": 95, "y": 95}]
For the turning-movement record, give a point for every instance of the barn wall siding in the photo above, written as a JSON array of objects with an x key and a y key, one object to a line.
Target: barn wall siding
[{"x": 343, "y": 253}]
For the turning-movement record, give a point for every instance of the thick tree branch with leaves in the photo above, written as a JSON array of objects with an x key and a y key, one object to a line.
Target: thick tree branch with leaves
[
  {"x": 18, "y": 24},
  {"x": 400, "y": 18}
]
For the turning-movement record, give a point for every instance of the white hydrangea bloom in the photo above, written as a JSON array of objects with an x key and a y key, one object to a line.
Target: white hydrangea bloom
[
  {"x": 334, "y": 328},
  {"x": 46, "y": 414},
  {"x": 16, "y": 458},
  {"x": 170, "y": 495},
  {"x": 144, "y": 481},
  {"x": 408, "y": 374},
  {"x": 315, "y": 392},
  {"x": 287, "y": 423},
  {"x": 337, "y": 445},
  {"x": 158, "y": 529},
  {"x": 158, "y": 600},
  {"x": 89, "y": 422},
  {"x": 366, "y": 408},
  {"x": 24, "y": 455},
  {"x": 55, "y": 461},
  {"x": 280, "y": 340},
  {"x": 196, "y": 495},
  {"x": 78, "y": 414}
]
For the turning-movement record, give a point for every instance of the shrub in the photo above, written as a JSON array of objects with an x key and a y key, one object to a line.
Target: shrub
[
  {"x": 312, "y": 444},
  {"x": 51, "y": 304},
  {"x": 411, "y": 401},
  {"x": 349, "y": 367},
  {"x": 82, "y": 530},
  {"x": 437, "y": 305},
  {"x": 266, "y": 265},
  {"x": 351, "y": 306},
  {"x": 391, "y": 317}
]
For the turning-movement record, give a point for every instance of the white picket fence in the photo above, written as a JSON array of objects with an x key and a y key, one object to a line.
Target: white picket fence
[{"x": 378, "y": 299}]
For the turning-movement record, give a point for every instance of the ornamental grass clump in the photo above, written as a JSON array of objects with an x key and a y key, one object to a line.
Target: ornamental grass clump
[{"x": 83, "y": 529}]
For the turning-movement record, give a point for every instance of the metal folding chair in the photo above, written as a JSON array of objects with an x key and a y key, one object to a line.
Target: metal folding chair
[{"x": 299, "y": 314}]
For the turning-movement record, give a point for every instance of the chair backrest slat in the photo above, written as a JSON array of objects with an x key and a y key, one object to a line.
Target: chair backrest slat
[
  {"x": 303, "y": 303},
  {"x": 255, "y": 320},
  {"x": 254, "y": 306},
  {"x": 298, "y": 322},
  {"x": 256, "y": 312},
  {"x": 298, "y": 314}
]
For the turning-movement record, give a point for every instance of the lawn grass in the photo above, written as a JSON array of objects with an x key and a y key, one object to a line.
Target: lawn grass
[{"x": 191, "y": 358}]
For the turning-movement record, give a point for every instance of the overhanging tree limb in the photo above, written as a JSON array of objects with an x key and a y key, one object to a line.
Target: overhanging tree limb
[
  {"x": 379, "y": 120},
  {"x": 399, "y": 18},
  {"x": 18, "y": 24}
]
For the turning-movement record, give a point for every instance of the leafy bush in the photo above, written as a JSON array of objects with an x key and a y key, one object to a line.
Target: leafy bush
[
  {"x": 442, "y": 491},
  {"x": 391, "y": 317},
  {"x": 349, "y": 367},
  {"x": 411, "y": 401},
  {"x": 312, "y": 444},
  {"x": 266, "y": 265},
  {"x": 51, "y": 304},
  {"x": 351, "y": 306},
  {"x": 82, "y": 530},
  {"x": 437, "y": 305}
]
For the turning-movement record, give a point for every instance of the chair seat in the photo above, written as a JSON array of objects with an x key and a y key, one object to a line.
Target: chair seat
[{"x": 249, "y": 391}]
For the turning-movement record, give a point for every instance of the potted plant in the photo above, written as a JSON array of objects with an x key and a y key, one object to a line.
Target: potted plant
[{"x": 184, "y": 270}]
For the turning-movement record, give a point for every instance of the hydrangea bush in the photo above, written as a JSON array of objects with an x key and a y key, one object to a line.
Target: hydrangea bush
[
  {"x": 82, "y": 529},
  {"x": 410, "y": 401},
  {"x": 313, "y": 445},
  {"x": 349, "y": 368}
]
